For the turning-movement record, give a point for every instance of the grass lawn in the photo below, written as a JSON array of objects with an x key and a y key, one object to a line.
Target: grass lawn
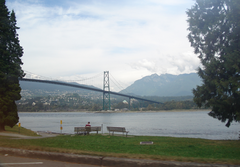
[
  {"x": 164, "y": 148},
  {"x": 21, "y": 130}
]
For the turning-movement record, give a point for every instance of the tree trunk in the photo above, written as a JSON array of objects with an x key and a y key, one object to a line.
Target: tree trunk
[{"x": 2, "y": 127}]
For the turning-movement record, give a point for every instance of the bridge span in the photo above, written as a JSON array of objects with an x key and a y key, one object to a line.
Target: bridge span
[{"x": 88, "y": 88}]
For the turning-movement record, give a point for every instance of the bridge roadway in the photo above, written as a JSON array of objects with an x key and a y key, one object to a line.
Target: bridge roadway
[{"x": 86, "y": 87}]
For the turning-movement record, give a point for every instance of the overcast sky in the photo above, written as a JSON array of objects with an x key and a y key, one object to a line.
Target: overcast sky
[{"x": 73, "y": 39}]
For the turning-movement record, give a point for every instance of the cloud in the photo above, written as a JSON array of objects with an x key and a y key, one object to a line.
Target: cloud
[
  {"x": 130, "y": 39},
  {"x": 184, "y": 63}
]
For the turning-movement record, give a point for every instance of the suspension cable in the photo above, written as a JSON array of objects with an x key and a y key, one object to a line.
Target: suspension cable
[
  {"x": 49, "y": 78},
  {"x": 120, "y": 87}
]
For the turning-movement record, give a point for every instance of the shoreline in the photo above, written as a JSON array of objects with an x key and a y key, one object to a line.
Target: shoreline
[{"x": 175, "y": 110}]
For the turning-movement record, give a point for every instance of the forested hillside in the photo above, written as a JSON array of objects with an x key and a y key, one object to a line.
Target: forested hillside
[{"x": 75, "y": 102}]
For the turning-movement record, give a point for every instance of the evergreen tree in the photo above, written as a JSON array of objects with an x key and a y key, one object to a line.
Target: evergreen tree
[
  {"x": 10, "y": 67},
  {"x": 214, "y": 27}
]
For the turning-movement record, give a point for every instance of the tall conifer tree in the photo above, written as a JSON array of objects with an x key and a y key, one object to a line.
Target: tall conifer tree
[
  {"x": 214, "y": 27},
  {"x": 10, "y": 67}
]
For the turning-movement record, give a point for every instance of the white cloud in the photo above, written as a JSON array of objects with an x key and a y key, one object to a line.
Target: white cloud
[{"x": 130, "y": 39}]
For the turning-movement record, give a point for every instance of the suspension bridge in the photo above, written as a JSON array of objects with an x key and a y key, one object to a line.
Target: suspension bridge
[{"x": 106, "y": 90}]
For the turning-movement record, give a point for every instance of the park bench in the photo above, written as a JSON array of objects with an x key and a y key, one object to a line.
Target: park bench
[
  {"x": 87, "y": 129},
  {"x": 117, "y": 129}
]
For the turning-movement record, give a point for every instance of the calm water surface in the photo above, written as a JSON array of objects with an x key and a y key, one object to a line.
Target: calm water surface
[{"x": 195, "y": 124}]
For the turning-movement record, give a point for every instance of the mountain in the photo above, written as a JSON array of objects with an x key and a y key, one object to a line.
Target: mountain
[{"x": 164, "y": 85}]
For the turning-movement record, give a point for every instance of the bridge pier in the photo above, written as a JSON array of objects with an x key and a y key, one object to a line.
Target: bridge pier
[
  {"x": 129, "y": 103},
  {"x": 106, "y": 91}
]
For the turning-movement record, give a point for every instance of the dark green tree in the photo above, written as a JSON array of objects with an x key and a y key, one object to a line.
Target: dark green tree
[
  {"x": 10, "y": 67},
  {"x": 214, "y": 27},
  {"x": 96, "y": 107}
]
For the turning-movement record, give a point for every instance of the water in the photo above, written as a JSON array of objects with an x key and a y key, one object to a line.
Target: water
[{"x": 195, "y": 124}]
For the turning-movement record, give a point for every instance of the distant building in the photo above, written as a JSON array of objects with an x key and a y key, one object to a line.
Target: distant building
[{"x": 46, "y": 103}]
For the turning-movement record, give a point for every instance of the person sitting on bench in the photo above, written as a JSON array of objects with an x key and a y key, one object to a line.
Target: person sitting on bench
[{"x": 88, "y": 127}]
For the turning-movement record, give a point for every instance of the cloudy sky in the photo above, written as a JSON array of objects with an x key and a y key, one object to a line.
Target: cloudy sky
[{"x": 75, "y": 39}]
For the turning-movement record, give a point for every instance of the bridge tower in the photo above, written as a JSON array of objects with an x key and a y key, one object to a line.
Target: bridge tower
[{"x": 106, "y": 91}]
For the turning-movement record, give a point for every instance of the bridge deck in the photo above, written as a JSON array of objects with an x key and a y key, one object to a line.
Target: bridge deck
[{"x": 85, "y": 87}]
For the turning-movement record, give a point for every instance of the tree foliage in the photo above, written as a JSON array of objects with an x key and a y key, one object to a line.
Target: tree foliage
[
  {"x": 10, "y": 67},
  {"x": 214, "y": 27}
]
